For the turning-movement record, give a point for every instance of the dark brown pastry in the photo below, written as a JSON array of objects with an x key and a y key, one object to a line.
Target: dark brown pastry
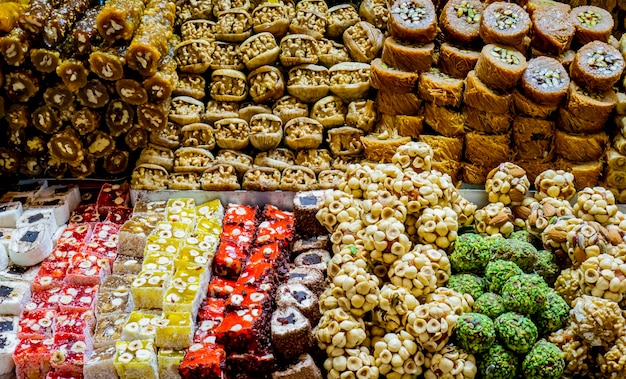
[
  {"x": 45, "y": 60},
  {"x": 414, "y": 20},
  {"x": 116, "y": 162},
  {"x": 21, "y": 85},
  {"x": 545, "y": 81},
  {"x": 597, "y": 66},
  {"x": 108, "y": 63},
  {"x": 85, "y": 34},
  {"x": 136, "y": 138},
  {"x": 456, "y": 61},
  {"x": 119, "y": 117},
  {"x": 86, "y": 120},
  {"x": 552, "y": 29},
  {"x": 504, "y": 23},
  {"x": 94, "y": 94},
  {"x": 99, "y": 144},
  {"x": 14, "y": 46},
  {"x": 153, "y": 117},
  {"x": 83, "y": 169},
  {"x": 119, "y": 19},
  {"x": 500, "y": 67},
  {"x": 66, "y": 147},
  {"x": 58, "y": 25},
  {"x": 59, "y": 97},
  {"x": 161, "y": 85},
  {"x": 73, "y": 73},
  {"x": 33, "y": 19},
  {"x": 44, "y": 118},
  {"x": 363, "y": 41},
  {"x": 460, "y": 20}
]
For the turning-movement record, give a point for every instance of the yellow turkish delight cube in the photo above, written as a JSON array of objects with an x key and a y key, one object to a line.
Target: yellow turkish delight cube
[
  {"x": 149, "y": 288},
  {"x": 175, "y": 331},
  {"x": 136, "y": 360}
]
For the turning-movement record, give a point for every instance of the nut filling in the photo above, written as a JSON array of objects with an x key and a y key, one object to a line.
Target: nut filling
[
  {"x": 467, "y": 12},
  {"x": 604, "y": 61},
  {"x": 257, "y": 46},
  {"x": 409, "y": 12},
  {"x": 506, "y": 19},
  {"x": 590, "y": 18},
  {"x": 505, "y": 55},
  {"x": 547, "y": 78}
]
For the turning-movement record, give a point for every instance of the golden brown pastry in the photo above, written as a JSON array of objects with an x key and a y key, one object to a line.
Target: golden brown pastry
[
  {"x": 414, "y": 20},
  {"x": 194, "y": 56},
  {"x": 228, "y": 85},
  {"x": 488, "y": 122},
  {"x": 310, "y": 22},
  {"x": 266, "y": 84},
  {"x": 345, "y": 140},
  {"x": 297, "y": 49},
  {"x": 266, "y": 131},
  {"x": 315, "y": 159},
  {"x": 487, "y": 151},
  {"x": 258, "y": 50},
  {"x": 597, "y": 66},
  {"x": 183, "y": 181},
  {"x": 234, "y": 25},
  {"x": 198, "y": 135},
  {"x": 407, "y": 56},
  {"x": 405, "y": 126},
  {"x": 545, "y": 81},
  {"x": 220, "y": 177},
  {"x": 580, "y": 147},
  {"x": 149, "y": 177},
  {"x": 362, "y": 114},
  {"x": 375, "y": 12},
  {"x": 533, "y": 138},
  {"x": 226, "y": 55},
  {"x": 446, "y": 121},
  {"x": 308, "y": 83},
  {"x": 159, "y": 155},
  {"x": 500, "y": 67},
  {"x": 444, "y": 148},
  {"x": 248, "y": 110},
  {"x": 331, "y": 52},
  {"x": 330, "y": 179},
  {"x": 460, "y": 20},
  {"x": 457, "y": 61},
  {"x": 192, "y": 159},
  {"x": 382, "y": 147},
  {"x": 186, "y": 110},
  {"x": 298, "y": 178},
  {"x": 340, "y": 17},
  {"x": 440, "y": 88},
  {"x": 232, "y": 133},
  {"x": 303, "y": 133},
  {"x": 504, "y": 23},
  {"x": 261, "y": 179},
  {"x": 592, "y": 23},
  {"x": 398, "y": 103},
  {"x": 272, "y": 18},
  {"x": 240, "y": 161},
  {"x": 350, "y": 80},
  {"x": 288, "y": 107},
  {"x": 329, "y": 111},
  {"x": 383, "y": 76},
  {"x": 217, "y": 110},
  {"x": 363, "y": 41},
  {"x": 279, "y": 158},
  {"x": 481, "y": 97}
]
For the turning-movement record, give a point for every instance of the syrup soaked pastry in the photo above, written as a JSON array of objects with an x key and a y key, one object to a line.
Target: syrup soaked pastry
[
  {"x": 414, "y": 20},
  {"x": 272, "y": 18},
  {"x": 119, "y": 117},
  {"x": 86, "y": 120},
  {"x": 592, "y": 24},
  {"x": 66, "y": 147},
  {"x": 46, "y": 119},
  {"x": 552, "y": 30},
  {"x": 545, "y": 81},
  {"x": 21, "y": 85},
  {"x": 73, "y": 73},
  {"x": 85, "y": 168},
  {"x": 445, "y": 121},
  {"x": 308, "y": 83},
  {"x": 597, "y": 66},
  {"x": 504, "y": 23},
  {"x": 108, "y": 63},
  {"x": 153, "y": 116},
  {"x": 350, "y": 80},
  {"x": 500, "y": 67},
  {"x": 266, "y": 131},
  {"x": 487, "y": 150},
  {"x": 61, "y": 20},
  {"x": 407, "y": 56},
  {"x": 383, "y": 76},
  {"x": 258, "y": 50},
  {"x": 440, "y": 88},
  {"x": 168, "y": 137},
  {"x": 569, "y": 123},
  {"x": 392, "y": 103},
  {"x": 119, "y": 19},
  {"x": 45, "y": 60},
  {"x": 580, "y": 147},
  {"x": 99, "y": 144},
  {"x": 296, "y": 49},
  {"x": 481, "y": 97},
  {"x": 85, "y": 34},
  {"x": 375, "y": 12},
  {"x": 232, "y": 133},
  {"x": 533, "y": 138},
  {"x": 590, "y": 104},
  {"x": 34, "y": 18},
  {"x": 460, "y": 20},
  {"x": 266, "y": 84},
  {"x": 456, "y": 61},
  {"x": 279, "y": 158},
  {"x": 116, "y": 162},
  {"x": 488, "y": 122},
  {"x": 363, "y": 41},
  {"x": 525, "y": 106},
  {"x": 14, "y": 46},
  {"x": 161, "y": 85},
  {"x": 94, "y": 94}
]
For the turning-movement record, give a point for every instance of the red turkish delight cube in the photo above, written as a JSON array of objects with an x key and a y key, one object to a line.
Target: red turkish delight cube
[
  {"x": 32, "y": 358},
  {"x": 37, "y": 324},
  {"x": 63, "y": 375},
  {"x": 259, "y": 275},
  {"x": 245, "y": 331},
  {"x": 203, "y": 361},
  {"x": 269, "y": 231},
  {"x": 273, "y": 213},
  {"x": 51, "y": 274},
  {"x": 221, "y": 287},
  {"x": 78, "y": 298},
  {"x": 212, "y": 309},
  {"x": 87, "y": 213},
  {"x": 46, "y": 299},
  {"x": 105, "y": 231},
  {"x": 229, "y": 260},
  {"x": 119, "y": 215},
  {"x": 64, "y": 251},
  {"x": 76, "y": 233},
  {"x": 87, "y": 269},
  {"x": 78, "y": 323},
  {"x": 205, "y": 333},
  {"x": 70, "y": 353},
  {"x": 112, "y": 196},
  {"x": 240, "y": 215},
  {"x": 250, "y": 297}
]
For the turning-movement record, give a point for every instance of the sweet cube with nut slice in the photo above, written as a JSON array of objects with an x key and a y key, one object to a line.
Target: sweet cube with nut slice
[
  {"x": 168, "y": 361},
  {"x": 205, "y": 333},
  {"x": 76, "y": 233},
  {"x": 37, "y": 324},
  {"x": 175, "y": 330},
  {"x": 124, "y": 265},
  {"x": 245, "y": 330},
  {"x": 173, "y": 229},
  {"x": 258, "y": 274},
  {"x": 169, "y": 245},
  {"x": 103, "y": 250},
  {"x": 105, "y": 232},
  {"x": 240, "y": 215},
  {"x": 133, "y": 235},
  {"x": 100, "y": 364},
  {"x": 221, "y": 287},
  {"x": 149, "y": 288},
  {"x": 190, "y": 255},
  {"x": 211, "y": 209},
  {"x": 250, "y": 297},
  {"x": 229, "y": 259},
  {"x": 13, "y": 296},
  {"x": 85, "y": 214},
  {"x": 109, "y": 329},
  {"x": 70, "y": 352},
  {"x": 209, "y": 226},
  {"x": 78, "y": 298},
  {"x": 51, "y": 274},
  {"x": 183, "y": 297},
  {"x": 136, "y": 359},
  {"x": 87, "y": 269},
  {"x": 32, "y": 358},
  {"x": 158, "y": 261},
  {"x": 119, "y": 215},
  {"x": 141, "y": 325},
  {"x": 185, "y": 214},
  {"x": 17, "y": 273},
  {"x": 77, "y": 323},
  {"x": 112, "y": 196},
  {"x": 203, "y": 360}
]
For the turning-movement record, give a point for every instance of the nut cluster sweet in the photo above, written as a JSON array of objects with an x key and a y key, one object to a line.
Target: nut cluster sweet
[{"x": 494, "y": 219}]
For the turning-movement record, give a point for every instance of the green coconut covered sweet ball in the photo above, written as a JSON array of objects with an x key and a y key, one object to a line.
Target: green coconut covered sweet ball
[
  {"x": 498, "y": 272},
  {"x": 498, "y": 363},
  {"x": 554, "y": 313},
  {"x": 517, "y": 332},
  {"x": 546, "y": 266},
  {"x": 474, "y": 332},
  {"x": 524, "y": 293},
  {"x": 489, "y": 304},
  {"x": 470, "y": 254},
  {"x": 524, "y": 254},
  {"x": 467, "y": 283},
  {"x": 544, "y": 361}
]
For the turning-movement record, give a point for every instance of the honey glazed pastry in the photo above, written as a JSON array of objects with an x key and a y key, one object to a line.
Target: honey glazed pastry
[
  {"x": 569, "y": 123},
  {"x": 487, "y": 150},
  {"x": 136, "y": 138},
  {"x": 329, "y": 111},
  {"x": 362, "y": 114},
  {"x": 217, "y": 110},
  {"x": 330, "y": 179},
  {"x": 220, "y": 177},
  {"x": 533, "y": 138},
  {"x": 194, "y": 56},
  {"x": 345, "y": 140},
  {"x": 240, "y": 161},
  {"x": 382, "y": 146},
  {"x": 261, "y": 179},
  {"x": 580, "y": 147},
  {"x": 183, "y": 181},
  {"x": 186, "y": 110},
  {"x": 297, "y": 49},
  {"x": 315, "y": 159},
  {"x": 99, "y": 144},
  {"x": 272, "y": 18},
  {"x": 44, "y": 118},
  {"x": 586, "y": 174},
  {"x": 116, "y": 162},
  {"x": 129, "y": 90},
  {"x": 407, "y": 56},
  {"x": 108, "y": 62},
  {"x": 392, "y": 103},
  {"x": 525, "y": 106},
  {"x": 588, "y": 104},
  {"x": 149, "y": 177},
  {"x": 310, "y": 22},
  {"x": 279, "y": 158},
  {"x": 457, "y": 61},
  {"x": 84, "y": 168},
  {"x": 341, "y": 17},
  {"x": 308, "y": 83},
  {"x": 319, "y": 6},
  {"x": 444, "y": 148},
  {"x": 228, "y": 85},
  {"x": 405, "y": 126},
  {"x": 488, "y": 122},
  {"x": 440, "y": 88},
  {"x": 383, "y": 76},
  {"x": 597, "y": 66},
  {"x": 445, "y": 121},
  {"x": 331, "y": 52},
  {"x": 198, "y": 29},
  {"x": 192, "y": 159},
  {"x": 201, "y": 9},
  {"x": 266, "y": 84},
  {"x": 545, "y": 81},
  {"x": 258, "y": 50},
  {"x": 552, "y": 29},
  {"x": 224, "y": 5},
  {"x": 500, "y": 67},
  {"x": 233, "y": 25},
  {"x": 266, "y": 131},
  {"x": 226, "y": 56},
  {"x": 232, "y": 133},
  {"x": 303, "y": 133},
  {"x": 298, "y": 178},
  {"x": 167, "y": 137},
  {"x": 288, "y": 107},
  {"x": 504, "y": 23},
  {"x": 481, "y": 97},
  {"x": 460, "y": 20},
  {"x": 66, "y": 147},
  {"x": 350, "y": 80},
  {"x": 198, "y": 135},
  {"x": 248, "y": 110},
  {"x": 363, "y": 41},
  {"x": 414, "y": 20},
  {"x": 375, "y": 12},
  {"x": 159, "y": 155},
  {"x": 592, "y": 24}
]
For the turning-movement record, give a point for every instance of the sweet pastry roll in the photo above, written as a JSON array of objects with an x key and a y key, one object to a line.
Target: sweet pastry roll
[
  {"x": 407, "y": 56},
  {"x": 362, "y": 114},
  {"x": 589, "y": 104},
  {"x": 261, "y": 179},
  {"x": 271, "y": 17},
  {"x": 340, "y": 17},
  {"x": 456, "y": 61},
  {"x": 500, "y": 67},
  {"x": 310, "y": 22},
  {"x": 226, "y": 56},
  {"x": 266, "y": 84},
  {"x": 350, "y": 80},
  {"x": 375, "y": 12},
  {"x": 405, "y": 126},
  {"x": 331, "y": 52},
  {"x": 479, "y": 96},
  {"x": 614, "y": 159},
  {"x": 288, "y": 108},
  {"x": 116, "y": 162},
  {"x": 129, "y": 90},
  {"x": 44, "y": 118},
  {"x": 297, "y": 178},
  {"x": 217, "y": 110},
  {"x": 258, "y": 50},
  {"x": 597, "y": 66},
  {"x": 488, "y": 122},
  {"x": 460, "y": 20},
  {"x": 446, "y": 121},
  {"x": 192, "y": 159},
  {"x": 329, "y": 111},
  {"x": 153, "y": 117},
  {"x": 413, "y": 20},
  {"x": 303, "y": 133},
  {"x": 504, "y": 23},
  {"x": 45, "y": 60},
  {"x": 232, "y": 133},
  {"x": 297, "y": 49},
  {"x": 392, "y": 103},
  {"x": 592, "y": 23},
  {"x": 250, "y": 109},
  {"x": 18, "y": 116},
  {"x": 198, "y": 29},
  {"x": 183, "y": 181},
  {"x": 308, "y": 83},
  {"x": 364, "y": 42},
  {"x": 615, "y": 178},
  {"x": 32, "y": 167},
  {"x": 161, "y": 85},
  {"x": 586, "y": 174},
  {"x": 84, "y": 168},
  {"x": 545, "y": 81},
  {"x": 119, "y": 19},
  {"x": 266, "y": 131},
  {"x": 525, "y": 106},
  {"x": 159, "y": 155},
  {"x": 319, "y": 6},
  {"x": 186, "y": 110},
  {"x": 108, "y": 62},
  {"x": 21, "y": 85},
  {"x": 380, "y": 147},
  {"x": 234, "y": 25},
  {"x": 279, "y": 158},
  {"x": 383, "y": 76},
  {"x": 192, "y": 85},
  {"x": 228, "y": 85},
  {"x": 345, "y": 140},
  {"x": 474, "y": 174},
  {"x": 15, "y": 137},
  {"x": 552, "y": 29},
  {"x": 167, "y": 137},
  {"x": 14, "y": 46},
  {"x": 240, "y": 161},
  {"x": 569, "y": 123},
  {"x": 198, "y": 135},
  {"x": 440, "y": 88},
  {"x": 195, "y": 55},
  {"x": 66, "y": 147},
  {"x": 580, "y": 147},
  {"x": 220, "y": 177},
  {"x": 99, "y": 144},
  {"x": 315, "y": 159},
  {"x": 59, "y": 97},
  {"x": 487, "y": 151},
  {"x": 533, "y": 138},
  {"x": 225, "y": 5}
]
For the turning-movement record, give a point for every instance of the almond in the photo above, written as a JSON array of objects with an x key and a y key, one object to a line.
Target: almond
[
  {"x": 516, "y": 195},
  {"x": 500, "y": 219},
  {"x": 614, "y": 237},
  {"x": 549, "y": 210},
  {"x": 558, "y": 236},
  {"x": 522, "y": 212},
  {"x": 517, "y": 172}
]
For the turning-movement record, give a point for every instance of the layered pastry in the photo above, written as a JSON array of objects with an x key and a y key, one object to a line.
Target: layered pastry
[
  {"x": 592, "y": 24},
  {"x": 552, "y": 29},
  {"x": 586, "y": 174},
  {"x": 457, "y": 61},
  {"x": 533, "y": 138},
  {"x": 545, "y": 81},
  {"x": 479, "y": 96},
  {"x": 446, "y": 121},
  {"x": 393, "y": 103},
  {"x": 487, "y": 151},
  {"x": 363, "y": 41},
  {"x": 504, "y": 23},
  {"x": 414, "y": 20},
  {"x": 597, "y": 66},
  {"x": 460, "y": 20},
  {"x": 406, "y": 55},
  {"x": 580, "y": 147},
  {"x": 440, "y": 88},
  {"x": 500, "y": 67}
]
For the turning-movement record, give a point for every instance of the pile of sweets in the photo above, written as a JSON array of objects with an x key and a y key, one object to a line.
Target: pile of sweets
[
  {"x": 84, "y": 84},
  {"x": 55, "y": 328}
]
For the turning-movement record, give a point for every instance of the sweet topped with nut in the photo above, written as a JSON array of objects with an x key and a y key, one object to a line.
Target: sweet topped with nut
[
  {"x": 414, "y": 20},
  {"x": 232, "y": 133},
  {"x": 271, "y": 17},
  {"x": 258, "y": 50},
  {"x": 363, "y": 41},
  {"x": 592, "y": 23},
  {"x": 350, "y": 80},
  {"x": 228, "y": 85},
  {"x": 233, "y": 25},
  {"x": 504, "y": 23},
  {"x": 194, "y": 56},
  {"x": 597, "y": 66},
  {"x": 331, "y": 52},
  {"x": 309, "y": 22},
  {"x": 198, "y": 29},
  {"x": 226, "y": 56},
  {"x": 308, "y": 83},
  {"x": 298, "y": 49},
  {"x": 340, "y": 17},
  {"x": 266, "y": 84},
  {"x": 319, "y": 6}
]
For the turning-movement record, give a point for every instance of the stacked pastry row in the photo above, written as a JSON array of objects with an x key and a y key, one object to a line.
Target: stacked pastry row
[
  {"x": 268, "y": 98},
  {"x": 84, "y": 84},
  {"x": 614, "y": 177}
]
